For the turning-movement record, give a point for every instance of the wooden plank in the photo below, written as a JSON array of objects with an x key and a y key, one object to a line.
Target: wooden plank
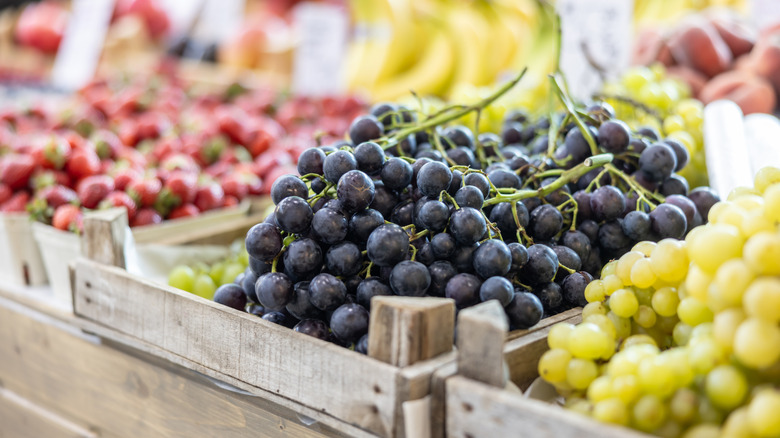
[
  {"x": 21, "y": 418},
  {"x": 115, "y": 394},
  {"x": 481, "y": 333},
  {"x": 476, "y": 410},
  {"x": 344, "y": 384},
  {"x": 405, "y": 330},
  {"x": 104, "y": 236}
]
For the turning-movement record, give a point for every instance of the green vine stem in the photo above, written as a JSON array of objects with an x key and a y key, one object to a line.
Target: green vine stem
[
  {"x": 641, "y": 192},
  {"x": 554, "y": 79}
]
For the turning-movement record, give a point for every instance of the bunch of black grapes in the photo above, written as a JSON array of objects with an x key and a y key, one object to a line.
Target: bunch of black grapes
[{"x": 441, "y": 213}]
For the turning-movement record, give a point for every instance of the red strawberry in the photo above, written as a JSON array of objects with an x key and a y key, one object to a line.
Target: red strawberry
[
  {"x": 123, "y": 178},
  {"x": 230, "y": 201},
  {"x": 150, "y": 125},
  {"x": 16, "y": 203},
  {"x": 57, "y": 195},
  {"x": 183, "y": 186},
  {"x": 68, "y": 217},
  {"x": 232, "y": 122},
  {"x": 83, "y": 162},
  {"x": 120, "y": 199},
  {"x": 15, "y": 170},
  {"x": 6, "y": 193},
  {"x": 272, "y": 159},
  {"x": 107, "y": 144},
  {"x": 146, "y": 216},
  {"x": 186, "y": 210},
  {"x": 93, "y": 189},
  {"x": 166, "y": 147},
  {"x": 234, "y": 185},
  {"x": 209, "y": 196},
  {"x": 128, "y": 132},
  {"x": 275, "y": 173},
  {"x": 46, "y": 178},
  {"x": 51, "y": 153},
  {"x": 254, "y": 184},
  {"x": 145, "y": 191},
  {"x": 262, "y": 134}
]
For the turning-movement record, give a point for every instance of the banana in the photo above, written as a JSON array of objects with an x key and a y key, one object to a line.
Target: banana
[{"x": 469, "y": 32}]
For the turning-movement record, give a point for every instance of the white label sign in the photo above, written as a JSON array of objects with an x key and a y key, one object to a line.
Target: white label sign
[
  {"x": 81, "y": 46},
  {"x": 596, "y": 42},
  {"x": 322, "y": 43},
  {"x": 765, "y": 13}
]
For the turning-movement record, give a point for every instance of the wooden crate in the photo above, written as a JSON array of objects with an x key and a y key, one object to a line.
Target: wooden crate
[
  {"x": 480, "y": 402},
  {"x": 20, "y": 259}
]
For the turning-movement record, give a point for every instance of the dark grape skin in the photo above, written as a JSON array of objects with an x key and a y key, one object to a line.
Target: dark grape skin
[
  {"x": 327, "y": 292},
  {"x": 434, "y": 215},
  {"x": 649, "y": 132},
  {"x": 263, "y": 242},
  {"x": 310, "y": 161},
  {"x": 369, "y": 288},
  {"x": 385, "y": 200},
  {"x": 636, "y": 225},
  {"x": 638, "y": 145},
  {"x": 502, "y": 215},
  {"x": 440, "y": 271},
  {"x": 611, "y": 236},
  {"x": 668, "y": 220},
  {"x": 643, "y": 180},
  {"x": 355, "y": 190},
  {"x": 288, "y": 185},
  {"x": 433, "y": 178},
  {"x": 614, "y": 136},
  {"x": 685, "y": 204},
  {"x": 352, "y": 283},
  {"x": 541, "y": 267},
  {"x": 680, "y": 152},
  {"x": 464, "y": 289},
  {"x": 274, "y": 290},
  {"x": 519, "y": 256},
  {"x": 410, "y": 279},
  {"x": 329, "y": 226},
  {"x": 469, "y": 196},
  {"x": 303, "y": 256},
  {"x": 524, "y": 311},
  {"x": 590, "y": 229},
  {"x": 546, "y": 222},
  {"x": 248, "y": 284},
  {"x": 349, "y": 322},
  {"x": 674, "y": 185},
  {"x": 383, "y": 111},
  {"x": 504, "y": 178},
  {"x": 607, "y": 203},
  {"x": 463, "y": 259},
  {"x": 550, "y": 295},
  {"x": 443, "y": 246},
  {"x": 300, "y": 306},
  {"x": 338, "y": 163},
  {"x": 258, "y": 266},
  {"x": 231, "y": 295},
  {"x": 387, "y": 245},
  {"x": 512, "y": 133},
  {"x": 362, "y": 223},
  {"x": 425, "y": 253},
  {"x": 396, "y": 174},
  {"x": 467, "y": 226},
  {"x": 365, "y": 128},
  {"x": 593, "y": 264},
  {"x": 277, "y": 318},
  {"x": 566, "y": 257},
  {"x": 344, "y": 259},
  {"x": 704, "y": 198},
  {"x": 416, "y": 169},
  {"x": 657, "y": 162},
  {"x": 403, "y": 214},
  {"x": 492, "y": 258},
  {"x": 317, "y": 185},
  {"x": 601, "y": 111},
  {"x": 313, "y": 327},
  {"x": 479, "y": 181},
  {"x": 462, "y": 156},
  {"x": 361, "y": 346},
  {"x": 497, "y": 288},
  {"x": 573, "y": 288},
  {"x": 293, "y": 215},
  {"x": 578, "y": 242},
  {"x": 458, "y": 135},
  {"x": 239, "y": 280},
  {"x": 456, "y": 183},
  {"x": 255, "y": 309}
]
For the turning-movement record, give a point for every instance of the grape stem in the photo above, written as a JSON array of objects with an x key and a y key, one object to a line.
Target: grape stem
[
  {"x": 566, "y": 177},
  {"x": 566, "y": 268},
  {"x": 641, "y": 192},
  {"x": 577, "y": 120},
  {"x": 520, "y": 228}
]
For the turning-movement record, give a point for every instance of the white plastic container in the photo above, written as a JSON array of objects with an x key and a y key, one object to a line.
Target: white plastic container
[{"x": 20, "y": 260}]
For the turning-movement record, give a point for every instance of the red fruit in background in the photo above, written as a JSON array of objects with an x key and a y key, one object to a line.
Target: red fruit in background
[
  {"x": 183, "y": 186},
  {"x": 120, "y": 199},
  {"x": 232, "y": 122},
  {"x": 132, "y": 156},
  {"x": 235, "y": 185},
  {"x": 124, "y": 177},
  {"x": 107, "y": 144},
  {"x": 15, "y": 170},
  {"x": 186, "y": 210},
  {"x": 51, "y": 152},
  {"x": 44, "y": 178},
  {"x": 209, "y": 196},
  {"x": 56, "y": 196},
  {"x": 180, "y": 162},
  {"x": 83, "y": 162},
  {"x": 254, "y": 184},
  {"x": 275, "y": 173},
  {"x": 262, "y": 134},
  {"x": 150, "y": 125},
  {"x": 5, "y": 193},
  {"x": 93, "y": 189},
  {"x": 154, "y": 16},
  {"x": 128, "y": 132},
  {"x": 230, "y": 201},
  {"x": 144, "y": 191},
  {"x": 41, "y": 26},
  {"x": 16, "y": 203},
  {"x": 166, "y": 147},
  {"x": 273, "y": 158},
  {"x": 146, "y": 216},
  {"x": 218, "y": 169},
  {"x": 68, "y": 218}
]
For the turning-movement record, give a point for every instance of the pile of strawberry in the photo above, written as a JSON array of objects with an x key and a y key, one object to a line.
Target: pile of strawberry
[{"x": 158, "y": 148}]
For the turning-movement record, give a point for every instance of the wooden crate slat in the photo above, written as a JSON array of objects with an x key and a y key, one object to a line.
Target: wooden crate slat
[{"x": 347, "y": 385}]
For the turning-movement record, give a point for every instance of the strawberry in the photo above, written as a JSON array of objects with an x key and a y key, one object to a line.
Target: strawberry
[
  {"x": 230, "y": 201},
  {"x": 83, "y": 162},
  {"x": 128, "y": 132},
  {"x": 185, "y": 210},
  {"x": 209, "y": 196},
  {"x": 6, "y": 193},
  {"x": 232, "y": 122},
  {"x": 15, "y": 170},
  {"x": 183, "y": 186},
  {"x": 146, "y": 216},
  {"x": 120, "y": 199},
  {"x": 57, "y": 195},
  {"x": 16, "y": 203},
  {"x": 275, "y": 173},
  {"x": 93, "y": 189},
  {"x": 51, "y": 153},
  {"x": 45, "y": 178},
  {"x": 263, "y": 133},
  {"x": 107, "y": 144},
  {"x": 166, "y": 147},
  {"x": 144, "y": 191},
  {"x": 234, "y": 185},
  {"x": 272, "y": 159},
  {"x": 68, "y": 217},
  {"x": 123, "y": 177}
]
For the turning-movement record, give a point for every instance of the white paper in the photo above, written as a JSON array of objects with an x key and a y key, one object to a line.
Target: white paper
[
  {"x": 728, "y": 165},
  {"x": 219, "y": 19},
  {"x": 762, "y": 132},
  {"x": 594, "y": 32},
  {"x": 319, "y": 58},
  {"x": 765, "y": 13},
  {"x": 81, "y": 46}
]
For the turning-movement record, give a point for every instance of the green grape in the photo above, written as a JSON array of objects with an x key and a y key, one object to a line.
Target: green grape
[
  {"x": 642, "y": 274},
  {"x": 604, "y": 324},
  {"x": 705, "y": 355},
  {"x": 762, "y": 253},
  {"x": 231, "y": 272},
  {"x": 600, "y": 389},
  {"x": 766, "y": 177},
  {"x": 558, "y": 337},
  {"x": 200, "y": 267},
  {"x": 243, "y": 257},
  {"x": 649, "y": 413},
  {"x": 762, "y": 298},
  {"x": 726, "y": 387},
  {"x": 684, "y": 405},
  {"x": 724, "y": 327},
  {"x": 624, "y": 265},
  {"x": 702, "y": 431},
  {"x": 670, "y": 429},
  {"x": 182, "y": 277},
  {"x": 757, "y": 343},
  {"x": 697, "y": 282},
  {"x": 594, "y": 308},
  {"x": 643, "y": 295},
  {"x": 709, "y": 413},
  {"x": 611, "y": 283},
  {"x": 693, "y": 311},
  {"x": 588, "y": 341},
  {"x": 622, "y": 325},
  {"x": 737, "y": 424},
  {"x": 763, "y": 418},
  {"x": 638, "y": 340},
  {"x": 626, "y": 388},
  {"x": 656, "y": 377},
  {"x": 611, "y": 410},
  {"x": 216, "y": 272},
  {"x": 715, "y": 244},
  {"x": 665, "y": 301},
  {"x": 553, "y": 365},
  {"x": 595, "y": 291},
  {"x": 645, "y": 247},
  {"x": 580, "y": 372},
  {"x": 772, "y": 203},
  {"x": 645, "y": 316},
  {"x": 669, "y": 260},
  {"x": 624, "y": 303},
  {"x": 682, "y": 333},
  {"x": 204, "y": 286}
]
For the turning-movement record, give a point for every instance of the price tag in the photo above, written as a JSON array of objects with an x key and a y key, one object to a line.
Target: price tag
[
  {"x": 182, "y": 14},
  {"x": 319, "y": 58},
  {"x": 81, "y": 46},
  {"x": 218, "y": 20},
  {"x": 596, "y": 42},
  {"x": 765, "y": 13}
]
